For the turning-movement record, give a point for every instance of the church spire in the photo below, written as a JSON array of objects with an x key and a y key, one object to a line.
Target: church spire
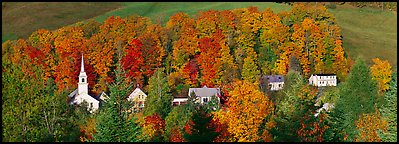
[{"x": 82, "y": 67}]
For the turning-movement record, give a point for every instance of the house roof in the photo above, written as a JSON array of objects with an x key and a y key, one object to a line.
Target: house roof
[
  {"x": 204, "y": 91},
  {"x": 323, "y": 74},
  {"x": 273, "y": 78},
  {"x": 98, "y": 97},
  {"x": 136, "y": 91}
]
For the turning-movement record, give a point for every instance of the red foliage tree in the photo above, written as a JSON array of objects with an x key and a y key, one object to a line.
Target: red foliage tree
[{"x": 133, "y": 61}]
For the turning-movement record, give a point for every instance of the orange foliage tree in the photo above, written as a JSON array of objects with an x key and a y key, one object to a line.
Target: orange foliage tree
[
  {"x": 368, "y": 126},
  {"x": 247, "y": 108},
  {"x": 207, "y": 60}
]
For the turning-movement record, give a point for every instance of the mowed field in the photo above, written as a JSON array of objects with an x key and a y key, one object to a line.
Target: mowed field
[
  {"x": 368, "y": 33},
  {"x": 20, "y": 19}
]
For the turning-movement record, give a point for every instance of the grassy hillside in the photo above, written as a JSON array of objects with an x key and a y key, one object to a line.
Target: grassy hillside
[
  {"x": 162, "y": 11},
  {"x": 367, "y": 32},
  {"x": 20, "y": 19}
]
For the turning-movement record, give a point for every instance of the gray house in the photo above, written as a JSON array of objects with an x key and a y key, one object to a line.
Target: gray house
[
  {"x": 204, "y": 94},
  {"x": 272, "y": 82}
]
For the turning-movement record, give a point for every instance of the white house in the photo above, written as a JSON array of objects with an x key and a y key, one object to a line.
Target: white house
[
  {"x": 179, "y": 101},
  {"x": 272, "y": 82},
  {"x": 320, "y": 80},
  {"x": 81, "y": 93},
  {"x": 138, "y": 97}
]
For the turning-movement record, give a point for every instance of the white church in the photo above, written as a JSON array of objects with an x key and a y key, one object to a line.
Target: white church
[{"x": 82, "y": 93}]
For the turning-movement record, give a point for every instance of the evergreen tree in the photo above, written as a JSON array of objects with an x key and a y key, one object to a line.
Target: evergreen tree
[
  {"x": 201, "y": 131},
  {"x": 356, "y": 96},
  {"x": 159, "y": 98},
  {"x": 389, "y": 111},
  {"x": 113, "y": 124},
  {"x": 296, "y": 105}
]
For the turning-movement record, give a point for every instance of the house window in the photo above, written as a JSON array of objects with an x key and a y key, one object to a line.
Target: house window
[
  {"x": 279, "y": 85},
  {"x": 83, "y": 80},
  {"x": 91, "y": 105},
  {"x": 205, "y": 100}
]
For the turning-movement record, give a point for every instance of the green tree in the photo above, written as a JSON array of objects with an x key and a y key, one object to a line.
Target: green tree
[
  {"x": 201, "y": 130},
  {"x": 293, "y": 109},
  {"x": 357, "y": 96},
  {"x": 389, "y": 111},
  {"x": 159, "y": 98},
  {"x": 177, "y": 118},
  {"x": 113, "y": 123}
]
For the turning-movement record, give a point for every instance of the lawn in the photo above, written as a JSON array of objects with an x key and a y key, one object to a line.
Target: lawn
[
  {"x": 368, "y": 33},
  {"x": 20, "y": 19},
  {"x": 163, "y": 10}
]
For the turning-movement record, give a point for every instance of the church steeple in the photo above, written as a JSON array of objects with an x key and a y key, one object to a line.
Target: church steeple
[
  {"x": 82, "y": 67},
  {"x": 82, "y": 85}
]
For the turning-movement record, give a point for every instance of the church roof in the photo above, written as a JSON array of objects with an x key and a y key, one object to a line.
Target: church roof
[{"x": 73, "y": 94}]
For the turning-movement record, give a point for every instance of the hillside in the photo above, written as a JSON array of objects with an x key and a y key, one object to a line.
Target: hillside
[
  {"x": 367, "y": 32},
  {"x": 20, "y": 19}
]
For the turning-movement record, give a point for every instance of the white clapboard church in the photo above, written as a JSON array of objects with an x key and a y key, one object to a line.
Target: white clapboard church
[{"x": 82, "y": 93}]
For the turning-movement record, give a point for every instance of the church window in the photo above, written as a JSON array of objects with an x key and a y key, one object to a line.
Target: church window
[{"x": 83, "y": 80}]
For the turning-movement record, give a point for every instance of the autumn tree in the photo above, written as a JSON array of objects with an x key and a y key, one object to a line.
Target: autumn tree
[
  {"x": 368, "y": 126},
  {"x": 207, "y": 60},
  {"x": 247, "y": 107},
  {"x": 69, "y": 44},
  {"x": 382, "y": 72},
  {"x": 133, "y": 60},
  {"x": 153, "y": 128},
  {"x": 250, "y": 70}
]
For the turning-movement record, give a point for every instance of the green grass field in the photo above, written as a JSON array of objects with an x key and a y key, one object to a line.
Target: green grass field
[
  {"x": 368, "y": 33},
  {"x": 20, "y": 19},
  {"x": 163, "y": 10}
]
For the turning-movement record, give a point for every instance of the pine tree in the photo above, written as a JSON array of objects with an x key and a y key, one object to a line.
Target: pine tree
[
  {"x": 159, "y": 98},
  {"x": 389, "y": 111},
  {"x": 201, "y": 131},
  {"x": 357, "y": 96},
  {"x": 113, "y": 124}
]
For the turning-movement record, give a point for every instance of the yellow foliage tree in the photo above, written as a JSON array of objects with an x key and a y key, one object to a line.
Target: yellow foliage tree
[
  {"x": 382, "y": 73},
  {"x": 247, "y": 108},
  {"x": 368, "y": 126}
]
